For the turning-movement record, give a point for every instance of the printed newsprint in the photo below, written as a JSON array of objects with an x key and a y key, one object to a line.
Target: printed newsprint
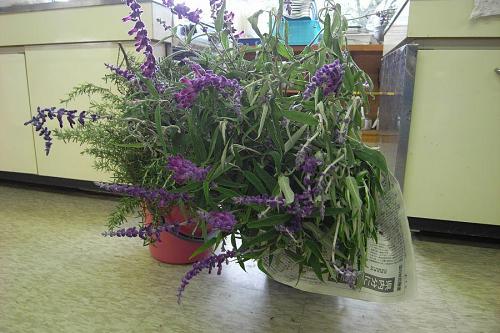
[{"x": 390, "y": 270}]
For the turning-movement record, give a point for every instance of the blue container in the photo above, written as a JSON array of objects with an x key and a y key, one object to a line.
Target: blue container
[
  {"x": 302, "y": 31},
  {"x": 249, "y": 41}
]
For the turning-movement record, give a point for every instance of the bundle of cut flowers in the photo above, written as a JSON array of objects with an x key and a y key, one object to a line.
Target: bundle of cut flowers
[{"x": 258, "y": 144}]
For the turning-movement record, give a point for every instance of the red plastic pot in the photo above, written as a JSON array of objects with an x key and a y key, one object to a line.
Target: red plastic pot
[{"x": 176, "y": 249}]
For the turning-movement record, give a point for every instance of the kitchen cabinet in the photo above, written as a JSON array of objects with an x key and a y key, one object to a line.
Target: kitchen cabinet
[
  {"x": 443, "y": 70},
  {"x": 453, "y": 162},
  {"x": 17, "y": 152},
  {"x": 52, "y": 72}
]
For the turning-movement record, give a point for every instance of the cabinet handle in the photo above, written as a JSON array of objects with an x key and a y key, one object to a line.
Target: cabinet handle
[{"x": 497, "y": 70}]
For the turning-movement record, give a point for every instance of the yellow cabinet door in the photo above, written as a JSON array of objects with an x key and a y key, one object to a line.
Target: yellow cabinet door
[
  {"x": 453, "y": 164},
  {"x": 52, "y": 72},
  {"x": 17, "y": 153}
]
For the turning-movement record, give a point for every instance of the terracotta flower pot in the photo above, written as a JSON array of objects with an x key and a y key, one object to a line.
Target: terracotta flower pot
[{"x": 176, "y": 249}]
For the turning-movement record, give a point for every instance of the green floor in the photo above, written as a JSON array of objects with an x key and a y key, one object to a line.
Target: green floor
[{"x": 57, "y": 274}]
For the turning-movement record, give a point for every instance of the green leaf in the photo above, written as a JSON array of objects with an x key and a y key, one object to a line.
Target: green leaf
[
  {"x": 352, "y": 187},
  {"x": 301, "y": 117},
  {"x": 257, "y": 240},
  {"x": 207, "y": 245},
  {"x": 295, "y": 137},
  {"x": 284, "y": 51},
  {"x": 254, "y": 22},
  {"x": 261, "y": 267},
  {"x": 327, "y": 34},
  {"x": 269, "y": 181},
  {"x": 330, "y": 212},
  {"x": 219, "y": 21},
  {"x": 316, "y": 266},
  {"x": 269, "y": 221},
  {"x": 277, "y": 160},
  {"x": 159, "y": 129},
  {"x": 255, "y": 181},
  {"x": 227, "y": 193},
  {"x": 284, "y": 183},
  {"x": 371, "y": 156},
  {"x": 265, "y": 109}
]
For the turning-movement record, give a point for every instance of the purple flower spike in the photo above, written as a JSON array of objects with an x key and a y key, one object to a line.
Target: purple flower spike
[
  {"x": 183, "y": 11},
  {"x": 159, "y": 196},
  {"x": 38, "y": 121},
  {"x": 142, "y": 41},
  {"x": 208, "y": 263},
  {"x": 146, "y": 232},
  {"x": 224, "y": 221},
  {"x": 329, "y": 77},
  {"x": 204, "y": 79},
  {"x": 125, "y": 73},
  {"x": 301, "y": 207},
  {"x": 349, "y": 275},
  {"x": 184, "y": 170}
]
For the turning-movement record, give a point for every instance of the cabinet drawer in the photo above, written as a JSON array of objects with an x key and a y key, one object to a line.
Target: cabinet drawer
[{"x": 453, "y": 164}]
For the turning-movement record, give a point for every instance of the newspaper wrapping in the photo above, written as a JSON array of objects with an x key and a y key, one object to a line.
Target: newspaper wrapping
[{"x": 389, "y": 274}]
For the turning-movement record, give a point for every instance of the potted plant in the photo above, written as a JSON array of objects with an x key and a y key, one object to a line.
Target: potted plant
[{"x": 252, "y": 149}]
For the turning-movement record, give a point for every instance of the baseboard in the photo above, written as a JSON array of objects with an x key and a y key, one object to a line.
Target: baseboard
[
  {"x": 83, "y": 185},
  {"x": 455, "y": 228}
]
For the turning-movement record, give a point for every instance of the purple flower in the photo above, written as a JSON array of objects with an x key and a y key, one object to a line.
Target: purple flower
[
  {"x": 301, "y": 207},
  {"x": 224, "y": 221},
  {"x": 146, "y": 232},
  {"x": 160, "y": 196},
  {"x": 125, "y": 73},
  {"x": 184, "y": 170},
  {"x": 307, "y": 164},
  {"x": 349, "y": 275},
  {"x": 183, "y": 11},
  {"x": 204, "y": 79},
  {"x": 329, "y": 77},
  {"x": 215, "y": 7},
  {"x": 132, "y": 78},
  {"x": 288, "y": 7},
  {"x": 262, "y": 200},
  {"x": 142, "y": 41},
  {"x": 38, "y": 121},
  {"x": 208, "y": 263}
]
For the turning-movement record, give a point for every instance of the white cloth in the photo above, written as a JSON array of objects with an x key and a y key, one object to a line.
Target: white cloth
[{"x": 485, "y": 8}]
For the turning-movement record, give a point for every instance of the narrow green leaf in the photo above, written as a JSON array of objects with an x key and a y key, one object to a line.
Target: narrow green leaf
[
  {"x": 159, "y": 129},
  {"x": 262, "y": 268},
  {"x": 295, "y": 137},
  {"x": 269, "y": 221},
  {"x": 219, "y": 21},
  {"x": 265, "y": 109},
  {"x": 352, "y": 187},
  {"x": 371, "y": 156},
  {"x": 227, "y": 193},
  {"x": 327, "y": 34},
  {"x": 207, "y": 245},
  {"x": 284, "y": 183},
  {"x": 268, "y": 180},
  {"x": 255, "y": 181},
  {"x": 257, "y": 240},
  {"x": 254, "y": 22},
  {"x": 284, "y": 51},
  {"x": 301, "y": 117}
]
